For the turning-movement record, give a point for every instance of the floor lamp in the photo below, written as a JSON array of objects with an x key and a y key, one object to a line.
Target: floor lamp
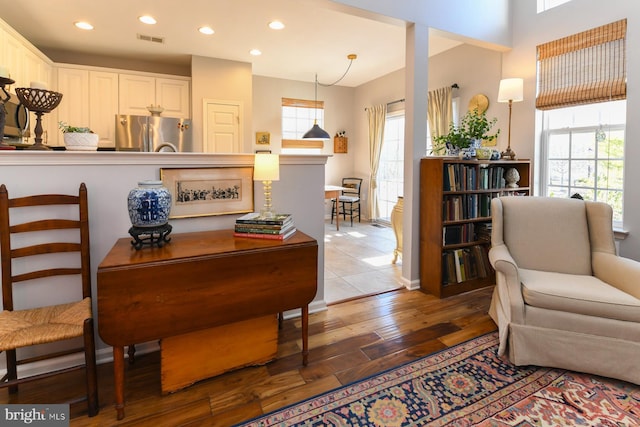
[{"x": 510, "y": 91}]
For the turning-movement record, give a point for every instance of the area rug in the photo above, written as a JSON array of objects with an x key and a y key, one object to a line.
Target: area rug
[{"x": 468, "y": 385}]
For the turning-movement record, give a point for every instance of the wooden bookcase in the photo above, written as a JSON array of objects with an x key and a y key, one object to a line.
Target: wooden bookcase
[{"x": 455, "y": 199}]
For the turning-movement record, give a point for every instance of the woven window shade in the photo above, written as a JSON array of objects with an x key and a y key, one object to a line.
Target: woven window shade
[
  {"x": 584, "y": 68},
  {"x": 303, "y": 103}
]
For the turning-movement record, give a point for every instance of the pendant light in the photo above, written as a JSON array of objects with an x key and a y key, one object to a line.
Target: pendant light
[{"x": 316, "y": 132}]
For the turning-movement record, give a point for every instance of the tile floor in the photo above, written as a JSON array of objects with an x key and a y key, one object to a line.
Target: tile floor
[{"x": 357, "y": 261}]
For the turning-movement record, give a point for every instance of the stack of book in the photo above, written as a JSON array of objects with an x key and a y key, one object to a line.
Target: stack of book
[{"x": 277, "y": 227}]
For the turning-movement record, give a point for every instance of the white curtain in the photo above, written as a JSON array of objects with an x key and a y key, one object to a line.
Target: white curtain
[
  {"x": 440, "y": 112},
  {"x": 377, "y": 116}
]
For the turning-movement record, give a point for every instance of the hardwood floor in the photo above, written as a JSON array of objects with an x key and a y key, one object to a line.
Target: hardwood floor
[{"x": 349, "y": 341}]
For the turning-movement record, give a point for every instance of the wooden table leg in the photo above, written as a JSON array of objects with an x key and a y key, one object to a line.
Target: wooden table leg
[
  {"x": 118, "y": 379},
  {"x": 305, "y": 335}
]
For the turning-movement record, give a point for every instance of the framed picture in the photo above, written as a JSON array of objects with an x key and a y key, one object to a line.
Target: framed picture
[
  {"x": 209, "y": 191},
  {"x": 263, "y": 138}
]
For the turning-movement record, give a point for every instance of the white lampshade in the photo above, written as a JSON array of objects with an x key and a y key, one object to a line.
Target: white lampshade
[
  {"x": 510, "y": 90},
  {"x": 266, "y": 167}
]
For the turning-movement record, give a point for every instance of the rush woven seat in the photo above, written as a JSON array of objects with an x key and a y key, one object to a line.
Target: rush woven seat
[
  {"x": 43, "y": 325},
  {"x": 44, "y": 244}
]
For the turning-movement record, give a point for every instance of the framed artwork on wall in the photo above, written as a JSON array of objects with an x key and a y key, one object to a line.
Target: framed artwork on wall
[
  {"x": 209, "y": 191},
  {"x": 263, "y": 138}
]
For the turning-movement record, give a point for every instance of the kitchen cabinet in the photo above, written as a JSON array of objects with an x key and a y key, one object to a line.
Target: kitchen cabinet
[
  {"x": 73, "y": 84},
  {"x": 25, "y": 64},
  {"x": 103, "y": 105},
  {"x": 13, "y": 60},
  {"x": 139, "y": 91},
  {"x": 89, "y": 99}
]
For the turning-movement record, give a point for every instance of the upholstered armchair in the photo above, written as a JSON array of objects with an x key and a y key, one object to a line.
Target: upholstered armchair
[{"x": 563, "y": 298}]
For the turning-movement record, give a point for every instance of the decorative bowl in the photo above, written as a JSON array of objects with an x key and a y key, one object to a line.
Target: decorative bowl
[{"x": 76, "y": 141}]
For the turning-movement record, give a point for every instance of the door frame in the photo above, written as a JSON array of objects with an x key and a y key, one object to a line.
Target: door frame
[{"x": 212, "y": 101}]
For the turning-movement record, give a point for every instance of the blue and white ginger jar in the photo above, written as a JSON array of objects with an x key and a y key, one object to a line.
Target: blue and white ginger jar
[{"x": 149, "y": 204}]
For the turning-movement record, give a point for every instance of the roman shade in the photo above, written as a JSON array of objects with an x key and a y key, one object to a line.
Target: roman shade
[{"x": 584, "y": 68}]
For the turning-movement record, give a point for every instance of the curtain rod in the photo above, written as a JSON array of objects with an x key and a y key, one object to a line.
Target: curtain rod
[
  {"x": 389, "y": 103},
  {"x": 453, "y": 86}
]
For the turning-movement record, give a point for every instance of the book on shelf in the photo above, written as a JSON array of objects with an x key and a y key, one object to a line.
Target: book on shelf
[
  {"x": 256, "y": 218},
  {"x": 460, "y": 265},
  {"x": 265, "y": 236}
]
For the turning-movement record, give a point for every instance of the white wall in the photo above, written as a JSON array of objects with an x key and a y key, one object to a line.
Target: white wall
[
  {"x": 110, "y": 176},
  {"x": 222, "y": 80},
  {"x": 339, "y": 115}
]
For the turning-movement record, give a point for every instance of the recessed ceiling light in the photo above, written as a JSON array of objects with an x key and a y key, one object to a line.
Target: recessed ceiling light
[
  {"x": 206, "y": 30},
  {"x": 147, "y": 19},
  {"x": 276, "y": 25},
  {"x": 83, "y": 25},
  {"x": 255, "y": 52}
]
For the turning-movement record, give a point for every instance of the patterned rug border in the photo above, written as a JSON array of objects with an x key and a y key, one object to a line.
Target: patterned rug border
[
  {"x": 485, "y": 341},
  {"x": 507, "y": 394}
]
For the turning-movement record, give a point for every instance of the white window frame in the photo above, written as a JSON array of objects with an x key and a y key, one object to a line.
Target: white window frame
[{"x": 544, "y": 156}]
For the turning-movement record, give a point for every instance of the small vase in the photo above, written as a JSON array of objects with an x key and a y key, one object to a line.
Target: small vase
[{"x": 149, "y": 204}]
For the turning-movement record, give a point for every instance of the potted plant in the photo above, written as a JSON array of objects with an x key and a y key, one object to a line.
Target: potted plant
[
  {"x": 474, "y": 127},
  {"x": 477, "y": 126},
  {"x": 78, "y": 138}
]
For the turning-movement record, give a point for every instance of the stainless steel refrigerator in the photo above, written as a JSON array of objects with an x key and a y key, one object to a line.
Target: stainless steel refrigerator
[{"x": 153, "y": 133}]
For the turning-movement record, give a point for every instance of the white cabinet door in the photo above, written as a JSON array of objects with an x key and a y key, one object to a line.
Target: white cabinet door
[
  {"x": 103, "y": 105},
  {"x": 174, "y": 96},
  {"x": 35, "y": 69},
  {"x": 136, "y": 93},
  {"x": 73, "y": 110},
  {"x": 14, "y": 60}
]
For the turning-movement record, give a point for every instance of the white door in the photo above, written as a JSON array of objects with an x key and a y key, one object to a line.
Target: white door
[{"x": 222, "y": 127}]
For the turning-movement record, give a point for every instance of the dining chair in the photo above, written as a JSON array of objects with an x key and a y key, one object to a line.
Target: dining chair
[
  {"x": 44, "y": 242},
  {"x": 349, "y": 200}
]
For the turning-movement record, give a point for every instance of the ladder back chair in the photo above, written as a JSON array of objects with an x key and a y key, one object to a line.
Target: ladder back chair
[
  {"x": 349, "y": 202},
  {"x": 44, "y": 243}
]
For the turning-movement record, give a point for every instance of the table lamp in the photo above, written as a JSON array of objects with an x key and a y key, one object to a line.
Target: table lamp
[
  {"x": 510, "y": 91},
  {"x": 266, "y": 168}
]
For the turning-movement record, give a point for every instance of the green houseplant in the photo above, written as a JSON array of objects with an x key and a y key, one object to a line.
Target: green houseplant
[
  {"x": 477, "y": 126},
  {"x": 78, "y": 138},
  {"x": 473, "y": 126}
]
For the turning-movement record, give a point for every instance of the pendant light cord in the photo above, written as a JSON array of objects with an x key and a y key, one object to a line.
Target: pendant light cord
[{"x": 351, "y": 57}]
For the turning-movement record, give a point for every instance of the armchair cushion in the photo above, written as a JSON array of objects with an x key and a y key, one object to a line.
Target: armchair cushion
[
  {"x": 578, "y": 294},
  {"x": 540, "y": 240}
]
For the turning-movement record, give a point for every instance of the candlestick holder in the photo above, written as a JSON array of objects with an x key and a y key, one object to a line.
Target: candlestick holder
[
  {"x": 39, "y": 101},
  {"x": 3, "y": 112}
]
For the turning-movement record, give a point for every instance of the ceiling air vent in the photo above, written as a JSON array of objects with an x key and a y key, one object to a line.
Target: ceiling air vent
[{"x": 151, "y": 38}]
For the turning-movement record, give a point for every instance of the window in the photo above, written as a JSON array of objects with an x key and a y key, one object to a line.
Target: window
[
  {"x": 584, "y": 151},
  {"x": 549, "y": 4},
  {"x": 298, "y": 116},
  {"x": 391, "y": 169},
  {"x": 582, "y": 92}
]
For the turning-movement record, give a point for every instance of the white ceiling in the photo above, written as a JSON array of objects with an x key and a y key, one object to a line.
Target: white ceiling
[{"x": 317, "y": 37}]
